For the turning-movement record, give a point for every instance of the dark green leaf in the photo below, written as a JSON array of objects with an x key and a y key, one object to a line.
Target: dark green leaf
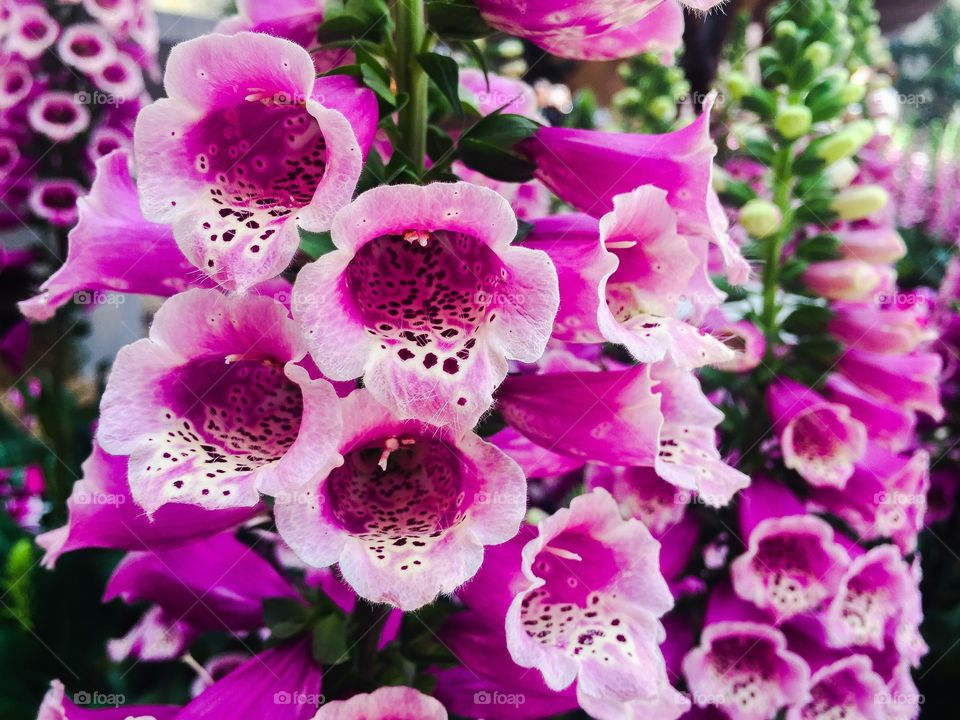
[
  {"x": 330, "y": 640},
  {"x": 490, "y": 147},
  {"x": 445, "y": 74},
  {"x": 456, "y": 20},
  {"x": 285, "y": 617},
  {"x": 313, "y": 245}
]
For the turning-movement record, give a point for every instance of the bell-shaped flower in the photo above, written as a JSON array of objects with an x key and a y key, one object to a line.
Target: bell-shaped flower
[
  {"x": 248, "y": 146},
  {"x": 641, "y": 494},
  {"x": 845, "y": 688},
  {"x": 908, "y": 381},
  {"x": 626, "y": 280},
  {"x": 408, "y": 513},
  {"x": 57, "y": 705},
  {"x": 885, "y": 329},
  {"x": 821, "y": 440},
  {"x": 889, "y": 425},
  {"x": 214, "y": 406},
  {"x": 426, "y": 298},
  {"x": 387, "y": 703}
]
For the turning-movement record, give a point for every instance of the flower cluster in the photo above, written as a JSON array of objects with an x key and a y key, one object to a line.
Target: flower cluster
[
  {"x": 71, "y": 83},
  {"x": 449, "y": 411}
]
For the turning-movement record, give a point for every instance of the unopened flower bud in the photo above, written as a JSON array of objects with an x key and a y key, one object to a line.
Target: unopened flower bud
[
  {"x": 853, "y": 92},
  {"x": 860, "y": 202},
  {"x": 662, "y": 108},
  {"x": 761, "y": 218},
  {"x": 818, "y": 54},
  {"x": 846, "y": 142},
  {"x": 786, "y": 28},
  {"x": 842, "y": 173},
  {"x": 793, "y": 121},
  {"x": 738, "y": 85},
  {"x": 845, "y": 280}
]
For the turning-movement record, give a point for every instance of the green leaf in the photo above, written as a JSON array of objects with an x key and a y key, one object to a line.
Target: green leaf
[
  {"x": 445, "y": 74},
  {"x": 373, "y": 174},
  {"x": 354, "y": 20},
  {"x": 313, "y": 244},
  {"x": 456, "y": 20},
  {"x": 285, "y": 617},
  {"x": 490, "y": 147},
  {"x": 479, "y": 58},
  {"x": 330, "y": 640},
  {"x": 439, "y": 143}
]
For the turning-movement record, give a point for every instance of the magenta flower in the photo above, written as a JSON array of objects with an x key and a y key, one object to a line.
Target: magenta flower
[
  {"x": 121, "y": 78},
  {"x": 580, "y": 600},
  {"x": 880, "y": 329},
  {"x": 846, "y": 688},
  {"x": 387, "y": 703},
  {"x": 886, "y": 497},
  {"x": 847, "y": 280},
  {"x": 248, "y": 146},
  {"x": 408, "y": 513},
  {"x": 86, "y": 46},
  {"x": 426, "y": 299},
  {"x": 58, "y": 115},
  {"x": 588, "y": 168},
  {"x": 874, "y": 244},
  {"x": 908, "y": 381},
  {"x": 890, "y": 425},
  {"x": 819, "y": 439},
  {"x": 878, "y": 602},
  {"x": 56, "y": 201},
  {"x": 745, "y": 669},
  {"x": 641, "y": 494},
  {"x": 30, "y": 31},
  {"x": 792, "y": 565},
  {"x": 16, "y": 82},
  {"x": 742, "y": 336},
  {"x": 156, "y": 637},
  {"x": 614, "y": 283},
  {"x": 592, "y": 29},
  {"x": 295, "y": 20},
  {"x": 102, "y": 514},
  {"x": 112, "y": 247},
  {"x": 213, "y": 406}
]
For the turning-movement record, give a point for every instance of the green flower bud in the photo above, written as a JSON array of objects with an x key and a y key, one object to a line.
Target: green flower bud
[
  {"x": 786, "y": 28},
  {"x": 761, "y": 218},
  {"x": 860, "y": 202},
  {"x": 793, "y": 121},
  {"x": 511, "y": 48},
  {"x": 663, "y": 108},
  {"x": 628, "y": 97},
  {"x": 846, "y": 142},
  {"x": 819, "y": 54},
  {"x": 854, "y": 92}
]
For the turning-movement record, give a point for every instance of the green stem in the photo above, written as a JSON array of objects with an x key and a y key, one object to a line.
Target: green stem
[
  {"x": 411, "y": 23},
  {"x": 782, "y": 195}
]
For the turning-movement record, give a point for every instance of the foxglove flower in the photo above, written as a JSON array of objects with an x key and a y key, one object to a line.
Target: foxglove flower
[
  {"x": 387, "y": 703},
  {"x": 86, "y": 46},
  {"x": 583, "y": 602},
  {"x": 296, "y": 20},
  {"x": 30, "y": 31},
  {"x": 594, "y": 30},
  {"x": 536, "y": 461},
  {"x": 156, "y": 637},
  {"x": 102, "y": 514},
  {"x": 886, "y": 497},
  {"x": 213, "y": 406},
  {"x": 743, "y": 666},
  {"x": 56, "y": 201},
  {"x": 641, "y": 494},
  {"x": 880, "y": 329},
  {"x": 743, "y": 337},
  {"x": 58, "y": 115},
  {"x": 625, "y": 281},
  {"x": 569, "y": 162},
  {"x": 610, "y": 417},
  {"x": 877, "y": 603},
  {"x": 874, "y": 244},
  {"x": 887, "y": 424},
  {"x": 846, "y": 688},
  {"x": 248, "y": 146},
  {"x": 847, "y": 280},
  {"x": 819, "y": 439},
  {"x": 408, "y": 513},
  {"x": 112, "y": 247},
  {"x": 213, "y": 584},
  {"x": 908, "y": 381},
  {"x": 16, "y": 82},
  {"x": 426, "y": 299}
]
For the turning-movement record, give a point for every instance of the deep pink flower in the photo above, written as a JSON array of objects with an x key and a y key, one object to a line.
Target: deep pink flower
[
  {"x": 86, "y": 46},
  {"x": 120, "y": 78},
  {"x": 16, "y": 82},
  {"x": 588, "y": 168},
  {"x": 30, "y": 31},
  {"x": 580, "y": 600},
  {"x": 742, "y": 665},
  {"x": 845, "y": 688},
  {"x": 741, "y": 336},
  {"x": 593, "y": 29},
  {"x": 426, "y": 299},
  {"x": 55, "y": 201},
  {"x": 213, "y": 406},
  {"x": 848, "y": 280},
  {"x": 878, "y": 602},
  {"x": 113, "y": 248},
  {"x": 156, "y": 637},
  {"x": 880, "y": 329},
  {"x": 408, "y": 513},
  {"x": 58, "y": 115},
  {"x": 874, "y": 244},
  {"x": 387, "y": 703},
  {"x": 56, "y": 705},
  {"x": 625, "y": 280},
  {"x": 641, "y": 494},
  {"x": 887, "y": 424},
  {"x": 908, "y": 381},
  {"x": 296, "y": 20},
  {"x": 101, "y": 513},
  {"x": 248, "y": 146},
  {"x": 819, "y": 439}
]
